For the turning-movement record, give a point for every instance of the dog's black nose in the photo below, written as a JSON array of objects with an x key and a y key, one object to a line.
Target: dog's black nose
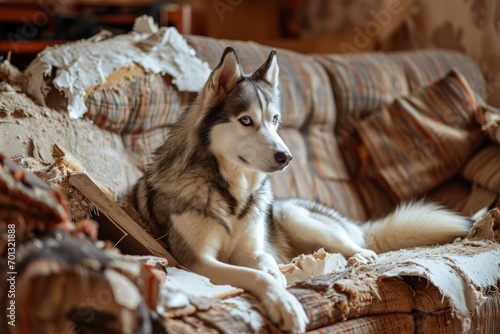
[{"x": 282, "y": 158}]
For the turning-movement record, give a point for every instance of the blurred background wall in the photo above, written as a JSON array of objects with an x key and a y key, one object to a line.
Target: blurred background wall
[{"x": 309, "y": 26}]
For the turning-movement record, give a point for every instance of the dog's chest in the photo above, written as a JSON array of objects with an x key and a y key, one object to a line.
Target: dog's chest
[
  {"x": 249, "y": 219},
  {"x": 252, "y": 194}
]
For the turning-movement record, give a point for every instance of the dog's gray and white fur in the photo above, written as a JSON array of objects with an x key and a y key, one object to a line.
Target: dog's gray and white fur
[{"x": 207, "y": 194}]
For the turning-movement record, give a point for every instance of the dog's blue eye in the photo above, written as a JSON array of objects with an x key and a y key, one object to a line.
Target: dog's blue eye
[{"x": 245, "y": 120}]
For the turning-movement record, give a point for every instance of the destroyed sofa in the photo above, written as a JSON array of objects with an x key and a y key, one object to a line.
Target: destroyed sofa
[{"x": 367, "y": 131}]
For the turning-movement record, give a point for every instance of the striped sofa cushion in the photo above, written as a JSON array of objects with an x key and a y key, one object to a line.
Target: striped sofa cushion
[{"x": 423, "y": 139}]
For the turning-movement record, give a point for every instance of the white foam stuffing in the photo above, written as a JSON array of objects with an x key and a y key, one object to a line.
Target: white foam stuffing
[
  {"x": 304, "y": 267},
  {"x": 75, "y": 67}
]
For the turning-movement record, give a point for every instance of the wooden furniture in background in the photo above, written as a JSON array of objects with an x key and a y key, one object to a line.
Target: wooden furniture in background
[{"x": 28, "y": 26}]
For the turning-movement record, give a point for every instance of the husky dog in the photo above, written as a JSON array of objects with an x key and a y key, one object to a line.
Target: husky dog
[{"x": 207, "y": 194}]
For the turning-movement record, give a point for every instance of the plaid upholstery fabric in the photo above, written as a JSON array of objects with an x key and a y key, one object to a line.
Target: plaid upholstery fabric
[
  {"x": 440, "y": 321},
  {"x": 428, "y": 298},
  {"x": 147, "y": 102},
  {"x": 485, "y": 320},
  {"x": 421, "y": 140},
  {"x": 362, "y": 84},
  {"x": 142, "y": 145},
  {"x": 380, "y": 324},
  {"x": 454, "y": 193},
  {"x": 300, "y": 180},
  {"x": 375, "y": 198},
  {"x": 66, "y": 282},
  {"x": 332, "y": 298},
  {"x": 422, "y": 68},
  {"x": 233, "y": 315}
]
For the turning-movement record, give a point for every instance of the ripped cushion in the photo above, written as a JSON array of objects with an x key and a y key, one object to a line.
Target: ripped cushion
[{"x": 421, "y": 140}]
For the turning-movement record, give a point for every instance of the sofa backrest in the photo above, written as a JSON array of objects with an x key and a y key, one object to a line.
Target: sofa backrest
[
  {"x": 322, "y": 98},
  {"x": 322, "y": 113},
  {"x": 364, "y": 83}
]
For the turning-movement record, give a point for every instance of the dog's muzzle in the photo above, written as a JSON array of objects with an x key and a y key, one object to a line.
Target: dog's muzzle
[{"x": 283, "y": 159}]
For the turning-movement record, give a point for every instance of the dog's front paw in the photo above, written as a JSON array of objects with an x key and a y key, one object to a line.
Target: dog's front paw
[
  {"x": 366, "y": 256},
  {"x": 267, "y": 264},
  {"x": 285, "y": 310},
  {"x": 276, "y": 273}
]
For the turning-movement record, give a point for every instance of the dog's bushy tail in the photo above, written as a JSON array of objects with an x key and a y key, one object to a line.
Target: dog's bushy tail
[{"x": 415, "y": 224}]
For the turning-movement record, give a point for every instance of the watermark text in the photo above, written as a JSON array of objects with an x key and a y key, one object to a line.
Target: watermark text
[{"x": 11, "y": 275}]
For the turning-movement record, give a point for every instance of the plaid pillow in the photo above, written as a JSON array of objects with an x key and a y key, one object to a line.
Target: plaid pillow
[{"x": 422, "y": 139}]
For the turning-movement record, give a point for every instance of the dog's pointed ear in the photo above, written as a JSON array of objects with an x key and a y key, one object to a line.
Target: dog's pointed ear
[
  {"x": 225, "y": 75},
  {"x": 269, "y": 71}
]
